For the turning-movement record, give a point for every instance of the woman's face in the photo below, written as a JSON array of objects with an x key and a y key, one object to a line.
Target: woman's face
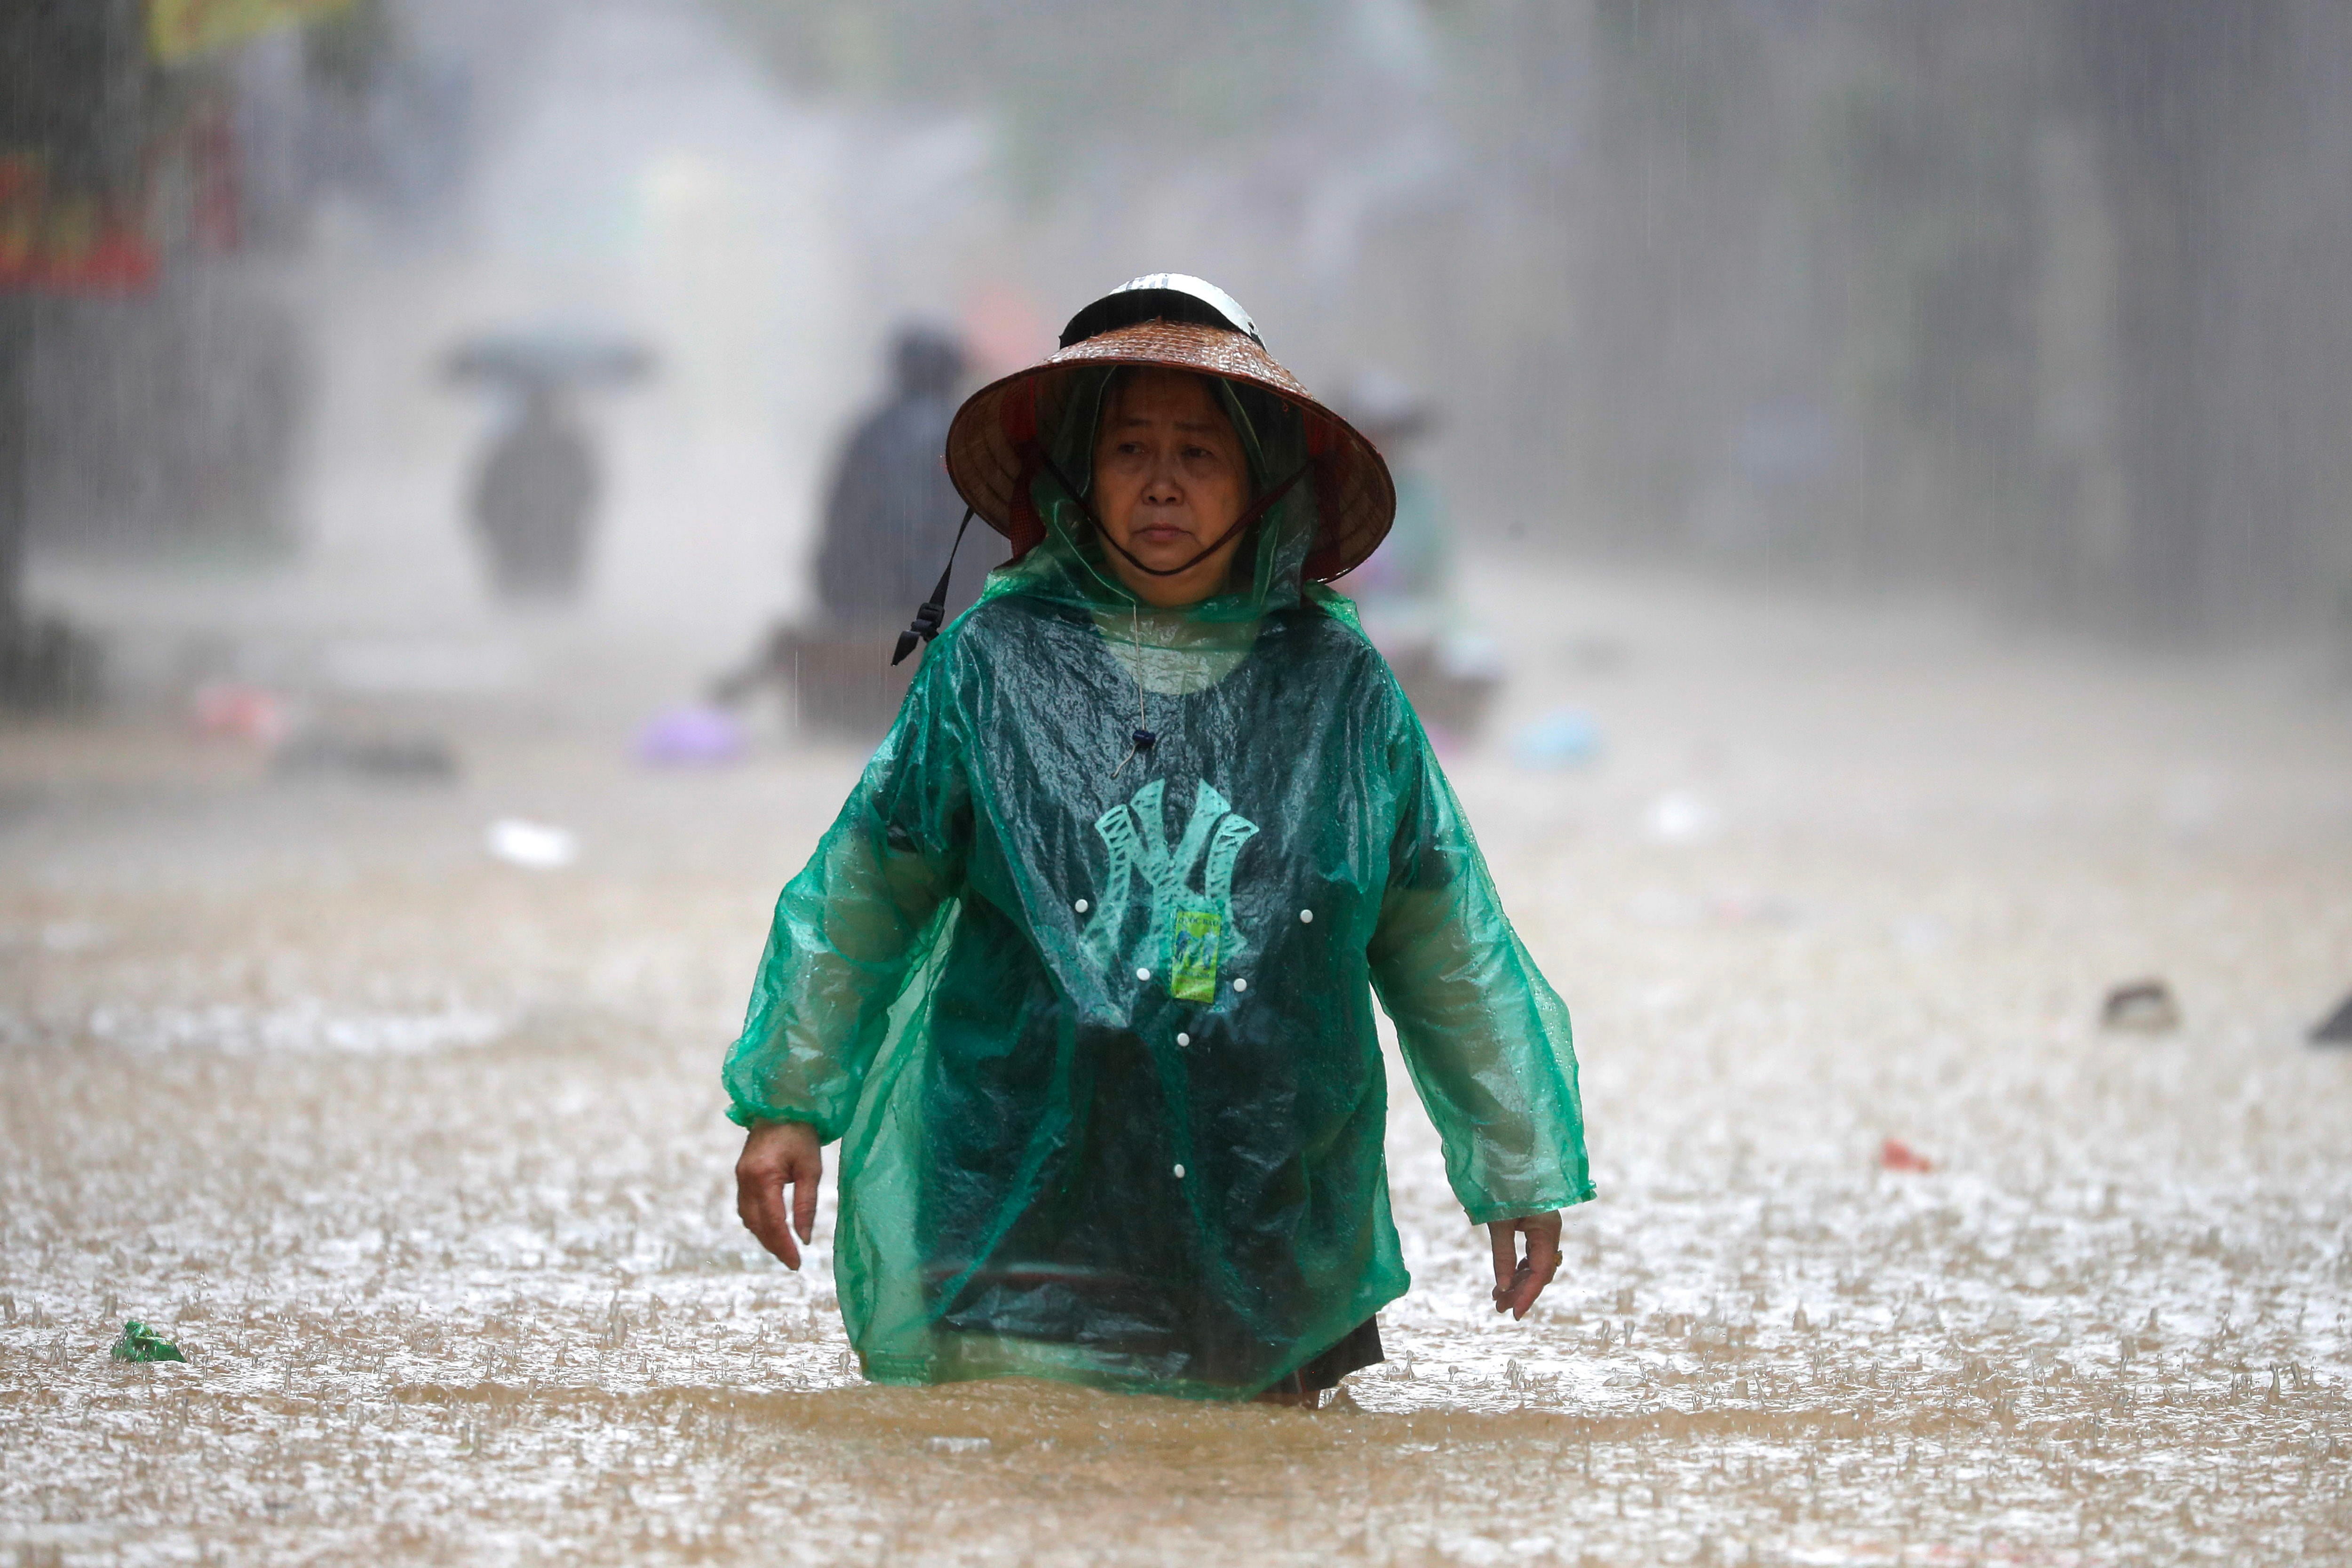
[{"x": 1170, "y": 478}]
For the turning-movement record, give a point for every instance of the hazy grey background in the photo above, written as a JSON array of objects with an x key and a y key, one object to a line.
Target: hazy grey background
[{"x": 2045, "y": 302}]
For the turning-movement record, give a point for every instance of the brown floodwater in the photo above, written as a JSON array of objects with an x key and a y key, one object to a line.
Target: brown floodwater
[{"x": 419, "y": 1155}]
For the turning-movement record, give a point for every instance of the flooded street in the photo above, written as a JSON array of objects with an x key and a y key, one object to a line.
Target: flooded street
[
  {"x": 419, "y": 1155},
  {"x": 1938, "y": 819}
]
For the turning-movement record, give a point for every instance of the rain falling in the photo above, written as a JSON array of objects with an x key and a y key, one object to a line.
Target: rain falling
[{"x": 1872, "y": 553}]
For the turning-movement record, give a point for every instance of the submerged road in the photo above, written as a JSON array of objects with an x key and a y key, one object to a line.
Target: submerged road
[{"x": 419, "y": 1155}]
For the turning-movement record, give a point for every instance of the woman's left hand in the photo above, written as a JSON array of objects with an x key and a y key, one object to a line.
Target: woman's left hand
[{"x": 1518, "y": 1280}]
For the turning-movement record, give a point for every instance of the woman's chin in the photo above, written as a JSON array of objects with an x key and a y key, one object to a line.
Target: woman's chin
[{"x": 1164, "y": 554}]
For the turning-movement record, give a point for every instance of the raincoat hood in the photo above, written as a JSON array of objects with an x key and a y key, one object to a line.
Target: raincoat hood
[{"x": 1070, "y": 564}]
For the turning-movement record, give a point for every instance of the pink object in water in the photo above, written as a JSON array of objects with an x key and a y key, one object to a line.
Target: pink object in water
[
  {"x": 233, "y": 711},
  {"x": 1897, "y": 1156}
]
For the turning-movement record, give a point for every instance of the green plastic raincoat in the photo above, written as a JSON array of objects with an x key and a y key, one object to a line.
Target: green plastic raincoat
[{"x": 1095, "y": 1028}]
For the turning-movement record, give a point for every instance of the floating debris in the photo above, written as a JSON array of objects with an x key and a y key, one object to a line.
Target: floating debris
[
  {"x": 535, "y": 845},
  {"x": 1682, "y": 817},
  {"x": 140, "y": 1342},
  {"x": 1895, "y": 1154},
  {"x": 415, "y": 759},
  {"x": 1563, "y": 738},
  {"x": 2335, "y": 1029},
  {"x": 235, "y": 711},
  {"x": 2141, "y": 1006},
  {"x": 692, "y": 737}
]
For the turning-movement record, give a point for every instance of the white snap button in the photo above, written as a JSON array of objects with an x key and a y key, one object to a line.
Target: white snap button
[
  {"x": 1240, "y": 984},
  {"x": 1184, "y": 1039},
  {"x": 1143, "y": 974},
  {"x": 1180, "y": 1172},
  {"x": 1306, "y": 917},
  {"x": 1080, "y": 906}
]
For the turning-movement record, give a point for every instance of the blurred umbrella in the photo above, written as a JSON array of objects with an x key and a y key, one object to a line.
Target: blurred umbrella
[{"x": 548, "y": 359}]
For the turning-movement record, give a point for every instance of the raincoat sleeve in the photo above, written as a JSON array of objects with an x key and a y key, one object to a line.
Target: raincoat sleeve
[
  {"x": 1486, "y": 1038},
  {"x": 849, "y": 929}
]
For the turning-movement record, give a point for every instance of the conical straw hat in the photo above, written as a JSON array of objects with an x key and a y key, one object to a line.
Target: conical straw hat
[{"x": 1182, "y": 323}]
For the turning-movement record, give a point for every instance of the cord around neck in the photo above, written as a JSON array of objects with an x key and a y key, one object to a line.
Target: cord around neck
[{"x": 1249, "y": 517}]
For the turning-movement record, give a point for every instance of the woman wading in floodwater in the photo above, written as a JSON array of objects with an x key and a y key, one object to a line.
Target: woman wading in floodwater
[{"x": 1082, "y": 976}]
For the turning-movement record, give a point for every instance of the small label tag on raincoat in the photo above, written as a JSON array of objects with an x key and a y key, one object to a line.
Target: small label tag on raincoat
[{"x": 1192, "y": 941}]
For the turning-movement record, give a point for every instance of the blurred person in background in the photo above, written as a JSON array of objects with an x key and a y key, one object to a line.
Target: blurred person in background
[
  {"x": 1405, "y": 592},
  {"x": 891, "y": 506},
  {"x": 889, "y": 513},
  {"x": 1082, "y": 974},
  {"x": 1412, "y": 571},
  {"x": 535, "y": 499}
]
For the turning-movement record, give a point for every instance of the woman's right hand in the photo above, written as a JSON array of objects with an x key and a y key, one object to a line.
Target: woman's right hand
[
  {"x": 1519, "y": 1280},
  {"x": 776, "y": 1155}
]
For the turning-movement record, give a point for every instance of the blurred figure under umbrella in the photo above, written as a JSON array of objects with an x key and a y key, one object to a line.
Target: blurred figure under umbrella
[
  {"x": 533, "y": 502},
  {"x": 534, "y": 497},
  {"x": 889, "y": 514}
]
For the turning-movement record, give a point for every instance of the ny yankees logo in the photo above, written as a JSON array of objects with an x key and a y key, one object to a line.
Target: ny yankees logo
[{"x": 1189, "y": 932}]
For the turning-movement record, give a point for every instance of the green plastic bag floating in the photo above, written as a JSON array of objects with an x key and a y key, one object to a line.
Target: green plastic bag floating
[{"x": 140, "y": 1342}]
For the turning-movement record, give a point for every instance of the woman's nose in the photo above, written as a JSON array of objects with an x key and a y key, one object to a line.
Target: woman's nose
[{"x": 1160, "y": 487}]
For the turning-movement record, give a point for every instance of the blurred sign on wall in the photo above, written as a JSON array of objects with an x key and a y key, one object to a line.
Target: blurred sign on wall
[
  {"x": 61, "y": 242},
  {"x": 179, "y": 29}
]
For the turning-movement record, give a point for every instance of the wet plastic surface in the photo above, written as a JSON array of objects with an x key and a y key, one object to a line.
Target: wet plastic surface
[
  {"x": 418, "y": 1157},
  {"x": 1081, "y": 977}
]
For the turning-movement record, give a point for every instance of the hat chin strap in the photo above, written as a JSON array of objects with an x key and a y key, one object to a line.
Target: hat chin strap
[
  {"x": 926, "y": 625},
  {"x": 1257, "y": 509}
]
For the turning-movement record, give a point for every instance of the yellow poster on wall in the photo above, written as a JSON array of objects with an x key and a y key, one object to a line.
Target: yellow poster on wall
[{"x": 178, "y": 29}]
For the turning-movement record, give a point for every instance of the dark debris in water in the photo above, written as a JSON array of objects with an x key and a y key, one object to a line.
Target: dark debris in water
[{"x": 2141, "y": 1006}]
